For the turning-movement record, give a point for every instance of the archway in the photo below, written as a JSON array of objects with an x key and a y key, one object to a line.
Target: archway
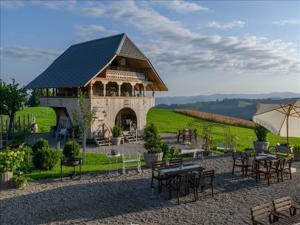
[{"x": 126, "y": 118}]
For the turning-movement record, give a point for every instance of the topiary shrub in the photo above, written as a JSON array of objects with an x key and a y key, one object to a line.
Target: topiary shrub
[
  {"x": 39, "y": 144},
  {"x": 261, "y": 133},
  {"x": 116, "y": 131},
  {"x": 152, "y": 139},
  {"x": 71, "y": 149},
  {"x": 46, "y": 158}
]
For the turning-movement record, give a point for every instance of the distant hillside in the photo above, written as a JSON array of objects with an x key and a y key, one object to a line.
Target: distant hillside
[
  {"x": 214, "y": 97},
  {"x": 240, "y": 108}
]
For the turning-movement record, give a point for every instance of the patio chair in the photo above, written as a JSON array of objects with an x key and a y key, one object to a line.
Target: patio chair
[
  {"x": 279, "y": 168},
  {"x": 156, "y": 166},
  {"x": 261, "y": 212},
  {"x": 206, "y": 178},
  {"x": 131, "y": 158},
  {"x": 266, "y": 168},
  {"x": 284, "y": 207},
  {"x": 288, "y": 166},
  {"x": 241, "y": 160},
  {"x": 182, "y": 184}
]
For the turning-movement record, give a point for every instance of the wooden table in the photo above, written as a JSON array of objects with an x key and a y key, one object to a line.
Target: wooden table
[{"x": 294, "y": 220}]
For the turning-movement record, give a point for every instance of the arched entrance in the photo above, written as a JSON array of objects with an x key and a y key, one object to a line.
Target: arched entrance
[{"x": 126, "y": 118}]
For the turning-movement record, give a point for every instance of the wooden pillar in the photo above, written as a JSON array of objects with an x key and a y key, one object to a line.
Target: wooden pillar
[
  {"x": 104, "y": 89},
  {"x": 119, "y": 89},
  {"x": 47, "y": 92}
]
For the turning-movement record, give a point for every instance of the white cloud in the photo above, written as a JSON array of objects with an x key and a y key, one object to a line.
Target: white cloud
[
  {"x": 12, "y": 4},
  {"x": 287, "y": 22},
  {"x": 226, "y": 26},
  {"x": 182, "y": 6},
  {"x": 92, "y": 31},
  {"x": 172, "y": 46},
  {"x": 27, "y": 53}
]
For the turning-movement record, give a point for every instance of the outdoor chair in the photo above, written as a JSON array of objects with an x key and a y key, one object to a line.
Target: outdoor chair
[
  {"x": 260, "y": 213},
  {"x": 288, "y": 167},
  {"x": 266, "y": 168},
  {"x": 156, "y": 166},
  {"x": 131, "y": 158},
  {"x": 241, "y": 160},
  {"x": 278, "y": 166},
  {"x": 174, "y": 162},
  {"x": 182, "y": 184},
  {"x": 206, "y": 178},
  {"x": 284, "y": 207}
]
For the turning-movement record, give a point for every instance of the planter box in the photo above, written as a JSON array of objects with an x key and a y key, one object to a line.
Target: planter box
[
  {"x": 261, "y": 146},
  {"x": 152, "y": 157},
  {"x": 116, "y": 140},
  {"x": 6, "y": 180}
]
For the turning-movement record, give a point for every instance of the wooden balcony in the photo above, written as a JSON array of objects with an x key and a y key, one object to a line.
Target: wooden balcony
[{"x": 126, "y": 74}]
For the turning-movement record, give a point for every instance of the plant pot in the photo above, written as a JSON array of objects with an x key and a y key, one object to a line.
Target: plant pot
[
  {"x": 116, "y": 140},
  {"x": 261, "y": 146},
  {"x": 152, "y": 157},
  {"x": 6, "y": 180},
  {"x": 71, "y": 161}
]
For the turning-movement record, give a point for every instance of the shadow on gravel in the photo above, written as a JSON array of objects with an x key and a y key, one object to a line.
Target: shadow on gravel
[{"x": 91, "y": 201}]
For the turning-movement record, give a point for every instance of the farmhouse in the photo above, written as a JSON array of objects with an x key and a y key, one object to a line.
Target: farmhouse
[{"x": 117, "y": 77}]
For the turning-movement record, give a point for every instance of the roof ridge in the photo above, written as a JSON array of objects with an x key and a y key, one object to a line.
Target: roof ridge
[{"x": 98, "y": 39}]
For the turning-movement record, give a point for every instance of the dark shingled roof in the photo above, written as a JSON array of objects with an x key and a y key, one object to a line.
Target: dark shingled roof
[{"x": 80, "y": 62}]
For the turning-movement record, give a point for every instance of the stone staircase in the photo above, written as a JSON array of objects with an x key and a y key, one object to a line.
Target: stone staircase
[
  {"x": 102, "y": 141},
  {"x": 129, "y": 137}
]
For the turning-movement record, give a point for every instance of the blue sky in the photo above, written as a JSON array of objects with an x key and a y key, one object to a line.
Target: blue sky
[{"x": 198, "y": 47}]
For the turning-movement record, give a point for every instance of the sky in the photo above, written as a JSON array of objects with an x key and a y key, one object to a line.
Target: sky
[{"x": 197, "y": 47}]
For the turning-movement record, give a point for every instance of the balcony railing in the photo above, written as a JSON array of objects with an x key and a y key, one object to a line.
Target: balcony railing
[{"x": 125, "y": 73}]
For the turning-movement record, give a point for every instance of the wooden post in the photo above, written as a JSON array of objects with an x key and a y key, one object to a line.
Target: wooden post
[{"x": 119, "y": 89}]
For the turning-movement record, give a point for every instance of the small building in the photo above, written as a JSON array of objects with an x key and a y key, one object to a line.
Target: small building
[{"x": 117, "y": 77}]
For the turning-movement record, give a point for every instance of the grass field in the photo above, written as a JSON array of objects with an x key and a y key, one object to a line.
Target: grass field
[
  {"x": 167, "y": 121},
  {"x": 170, "y": 121},
  {"x": 95, "y": 163}
]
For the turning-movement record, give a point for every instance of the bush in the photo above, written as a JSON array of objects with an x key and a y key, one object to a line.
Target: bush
[
  {"x": 116, "y": 131},
  {"x": 27, "y": 164},
  {"x": 296, "y": 149},
  {"x": 260, "y": 132},
  {"x": 19, "y": 181},
  {"x": 39, "y": 144},
  {"x": 46, "y": 158},
  {"x": 166, "y": 150},
  {"x": 152, "y": 139},
  {"x": 10, "y": 160},
  {"x": 71, "y": 149}
]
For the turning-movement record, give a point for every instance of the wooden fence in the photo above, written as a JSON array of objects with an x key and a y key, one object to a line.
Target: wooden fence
[{"x": 20, "y": 124}]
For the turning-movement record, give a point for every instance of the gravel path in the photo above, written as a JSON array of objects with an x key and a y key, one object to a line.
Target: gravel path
[{"x": 126, "y": 199}]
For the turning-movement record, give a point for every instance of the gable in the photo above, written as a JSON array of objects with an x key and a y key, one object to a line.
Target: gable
[{"x": 129, "y": 49}]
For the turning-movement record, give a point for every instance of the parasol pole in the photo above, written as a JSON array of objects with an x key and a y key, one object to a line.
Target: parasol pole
[{"x": 287, "y": 123}]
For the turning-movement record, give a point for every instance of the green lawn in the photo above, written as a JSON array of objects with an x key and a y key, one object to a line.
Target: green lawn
[
  {"x": 170, "y": 121},
  {"x": 95, "y": 162},
  {"x": 165, "y": 120},
  {"x": 45, "y": 117}
]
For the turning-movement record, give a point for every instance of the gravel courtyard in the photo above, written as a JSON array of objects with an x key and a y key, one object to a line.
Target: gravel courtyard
[{"x": 127, "y": 199}]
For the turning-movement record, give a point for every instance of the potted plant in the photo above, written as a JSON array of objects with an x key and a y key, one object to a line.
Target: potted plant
[
  {"x": 71, "y": 154},
  {"x": 296, "y": 151},
  {"x": 10, "y": 160},
  {"x": 153, "y": 145},
  {"x": 116, "y": 132},
  {"x": 261, "y": 145}
]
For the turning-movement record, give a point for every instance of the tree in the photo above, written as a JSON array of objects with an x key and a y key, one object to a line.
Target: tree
[
  {"x": 34, "y": 99},
  {"x": 84, "y": 119},
  {"x": 12, "y": 99}
]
